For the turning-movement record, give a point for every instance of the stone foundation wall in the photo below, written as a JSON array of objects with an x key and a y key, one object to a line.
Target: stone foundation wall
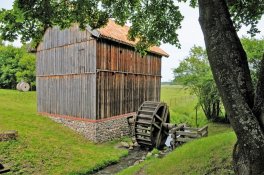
[{"x": 98, "y": 131}]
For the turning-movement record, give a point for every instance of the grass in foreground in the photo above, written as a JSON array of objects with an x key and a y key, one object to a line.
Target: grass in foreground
[
  {"x": 210, "y": 155},
  {"x": 45, "y": 147}
]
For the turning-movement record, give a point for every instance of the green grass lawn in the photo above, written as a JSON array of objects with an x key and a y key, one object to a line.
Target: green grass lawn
[
  {"x": 43, "y": 146},
  {"x": 209, "y": 155}
]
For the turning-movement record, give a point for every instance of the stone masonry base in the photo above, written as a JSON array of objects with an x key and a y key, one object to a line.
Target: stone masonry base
[{"x": 99, "y": 130}]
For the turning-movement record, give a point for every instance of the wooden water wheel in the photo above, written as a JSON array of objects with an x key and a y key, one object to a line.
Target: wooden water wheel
[{"x": 150, "y": 123}]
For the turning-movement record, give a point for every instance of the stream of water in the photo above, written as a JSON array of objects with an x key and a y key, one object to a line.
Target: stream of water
[{"x": 134, "y": 155}]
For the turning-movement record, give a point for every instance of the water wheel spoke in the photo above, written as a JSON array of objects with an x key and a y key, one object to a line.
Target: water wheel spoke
[
  {"x": 158, "y": 117},
  {"x": 166, "y": 114},
  {"x": 157, "y": 126},
  {"x": 165, "y": 132}
]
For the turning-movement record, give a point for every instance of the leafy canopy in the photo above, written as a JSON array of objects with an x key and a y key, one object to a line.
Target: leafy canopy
[
  {"x": 254, "y": 49},
  {"x": 16, "y": 65},
  {"x": 153, "y": 21}
]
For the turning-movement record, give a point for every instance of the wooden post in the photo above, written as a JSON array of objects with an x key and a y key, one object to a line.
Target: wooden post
[{"x": 196, "y": 118}]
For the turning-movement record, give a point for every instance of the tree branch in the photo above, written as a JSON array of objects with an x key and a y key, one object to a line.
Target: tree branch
[{"x": 231, "y": 2}]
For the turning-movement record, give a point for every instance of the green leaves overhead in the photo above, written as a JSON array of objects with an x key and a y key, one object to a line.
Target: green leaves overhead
[
  {"x": 155, "y": 22},
  {"x": 247, "y": 12},
  {"x": 152, "y": 21}
]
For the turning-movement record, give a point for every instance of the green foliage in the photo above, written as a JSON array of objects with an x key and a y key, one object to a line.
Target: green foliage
[
  {"x": 155, "y": 151},
  {"x": 153, "y": 21},
  {"x": 16, "y": 65},
  {"x": 194, "y": 71},
  {"x": 27, "y": 68},
  {"x": 247, "y": 12},
  {"x": 43, "y": 146},
  {"x": 9, "y": 58},
  {"x": 254, "y": 49},
  {"x": 1, "y": 42},
  {"x": 194, "y": 68}
]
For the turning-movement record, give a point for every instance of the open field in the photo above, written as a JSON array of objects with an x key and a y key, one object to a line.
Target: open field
[
  {"x": 45, "y": 147},
  {"x": 182, "y": 105}
]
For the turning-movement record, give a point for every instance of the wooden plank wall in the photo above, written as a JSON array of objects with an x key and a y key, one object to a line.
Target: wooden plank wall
[
  {"x": 66, "y": 73},
  {"x": 125, "y": 79}
]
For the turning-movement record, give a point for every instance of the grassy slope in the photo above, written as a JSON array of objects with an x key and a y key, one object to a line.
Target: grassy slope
[
  {"x": 210, "y": 155},
  {"x": 45, "y": 147}
]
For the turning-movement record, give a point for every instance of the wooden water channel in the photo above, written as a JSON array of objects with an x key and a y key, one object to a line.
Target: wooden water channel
[{"x": 183, "y": 134}]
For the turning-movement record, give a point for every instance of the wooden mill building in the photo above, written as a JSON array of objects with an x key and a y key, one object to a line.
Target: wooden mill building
[{"x": 92, "y": 80}]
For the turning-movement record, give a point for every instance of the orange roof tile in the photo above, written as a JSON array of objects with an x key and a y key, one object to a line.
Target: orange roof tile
[{"x": 115, "y": 32}]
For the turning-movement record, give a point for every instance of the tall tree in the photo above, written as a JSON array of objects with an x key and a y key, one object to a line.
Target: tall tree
[
  {"x": 156, "y": 21},
  {"x": 194, "y": 71},
  {"x": 230, "y": 68}
]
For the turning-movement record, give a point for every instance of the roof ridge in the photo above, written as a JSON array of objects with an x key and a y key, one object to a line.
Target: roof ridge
[{"x": 109, "y": 31}]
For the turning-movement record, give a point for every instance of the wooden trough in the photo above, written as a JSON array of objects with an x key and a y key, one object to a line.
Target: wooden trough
[{"x": 182, "y": 134}]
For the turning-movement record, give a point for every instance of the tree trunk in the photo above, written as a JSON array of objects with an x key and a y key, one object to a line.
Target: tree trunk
[
  {"x": 259, "y": 98},
  {"x": 230, "y": 69}
]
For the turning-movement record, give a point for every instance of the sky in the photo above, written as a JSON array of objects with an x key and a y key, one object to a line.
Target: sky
[{"x": 189, "y": 35}]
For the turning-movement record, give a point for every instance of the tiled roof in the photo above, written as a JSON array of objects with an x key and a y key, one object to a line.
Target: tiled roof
[{"x": 115, "y": 32}]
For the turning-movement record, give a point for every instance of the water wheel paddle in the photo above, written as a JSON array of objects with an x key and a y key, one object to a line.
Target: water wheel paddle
[{"x": 150, "y": 122}]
